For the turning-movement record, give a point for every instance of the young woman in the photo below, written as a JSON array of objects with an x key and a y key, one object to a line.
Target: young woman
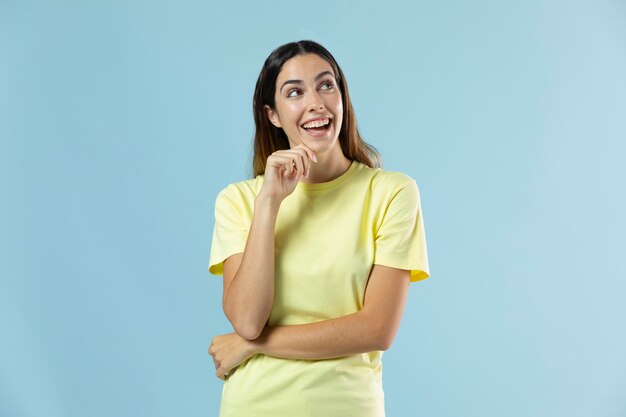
[{"x": 317, "y": 251}]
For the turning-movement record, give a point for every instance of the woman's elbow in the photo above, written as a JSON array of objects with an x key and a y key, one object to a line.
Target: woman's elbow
[
  {"x": 386, "y": 344},
  {"x": 384, "y": 338},
  {"x": 244, "y": 328},
  {"x": 249, "y": 331}
]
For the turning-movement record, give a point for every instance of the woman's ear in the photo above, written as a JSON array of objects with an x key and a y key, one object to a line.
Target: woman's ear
[{"x": 272, "y": 116}]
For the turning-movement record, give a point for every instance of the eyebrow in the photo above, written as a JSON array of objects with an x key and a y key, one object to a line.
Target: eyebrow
[{"x": 320, "y": 75}]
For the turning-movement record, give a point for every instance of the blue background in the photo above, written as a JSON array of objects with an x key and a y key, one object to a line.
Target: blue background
[{"x": 121, "y": 120}]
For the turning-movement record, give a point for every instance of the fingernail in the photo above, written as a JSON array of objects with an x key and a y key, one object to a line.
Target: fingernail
[{"x": 315, "y": 157}]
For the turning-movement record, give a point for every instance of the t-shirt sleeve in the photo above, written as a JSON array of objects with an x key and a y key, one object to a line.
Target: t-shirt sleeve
[
  {"x": 230, "y": 232},
  {"x": 401, "y": 241}
]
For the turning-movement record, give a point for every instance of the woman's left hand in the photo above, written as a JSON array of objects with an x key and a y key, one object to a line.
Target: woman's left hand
[{"x": 228, "y": 351}]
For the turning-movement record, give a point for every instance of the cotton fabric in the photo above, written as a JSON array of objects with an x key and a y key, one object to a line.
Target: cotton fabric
[{"x": 327, "y": 238}]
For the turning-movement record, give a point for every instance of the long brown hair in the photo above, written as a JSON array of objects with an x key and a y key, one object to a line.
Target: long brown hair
[{"x": 269, "y": 138}]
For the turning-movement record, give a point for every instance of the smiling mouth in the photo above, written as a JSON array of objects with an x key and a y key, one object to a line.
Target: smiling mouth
[{"x": 317, "y": 130}]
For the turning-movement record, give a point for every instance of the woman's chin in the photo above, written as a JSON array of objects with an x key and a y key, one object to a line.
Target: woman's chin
[{"x": 318, "y": 144}]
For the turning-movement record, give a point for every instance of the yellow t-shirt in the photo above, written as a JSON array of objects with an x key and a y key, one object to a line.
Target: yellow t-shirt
[{"x": 327, "y": 237}]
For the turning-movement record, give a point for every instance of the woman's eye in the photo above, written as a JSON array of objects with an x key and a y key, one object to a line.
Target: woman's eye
[{"x": 327, "y": 83}]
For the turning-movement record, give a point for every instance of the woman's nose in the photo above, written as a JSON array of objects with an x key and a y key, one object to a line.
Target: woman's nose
[{"x": 315, "y": 101}]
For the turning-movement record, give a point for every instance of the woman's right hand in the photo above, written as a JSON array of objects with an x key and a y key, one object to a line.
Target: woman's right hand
[{"x": 284, "y": 169}]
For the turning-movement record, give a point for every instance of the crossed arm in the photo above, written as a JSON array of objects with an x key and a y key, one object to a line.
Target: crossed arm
[{"x": 371, "y": 328}]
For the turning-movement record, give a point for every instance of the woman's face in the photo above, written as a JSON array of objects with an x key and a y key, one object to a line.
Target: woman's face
[{"x": 306, "y": 90}]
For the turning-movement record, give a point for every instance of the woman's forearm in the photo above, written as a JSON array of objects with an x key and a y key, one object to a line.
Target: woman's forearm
[
  {"x": 348, "y": 335},
  {"x": 248, "y": 301}
]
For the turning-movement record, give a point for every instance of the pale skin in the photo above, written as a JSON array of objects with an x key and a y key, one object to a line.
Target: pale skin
[{"x": 248, "y": 283}]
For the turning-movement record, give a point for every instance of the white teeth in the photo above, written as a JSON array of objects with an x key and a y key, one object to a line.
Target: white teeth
[{"x": 317, "y": 123}]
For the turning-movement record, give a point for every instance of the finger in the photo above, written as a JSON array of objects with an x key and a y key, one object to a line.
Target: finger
[
  {"x": 306, "y": 161},
  {"x": 221, "y": 373},
  {"x": 310, "y": 152},
  {"x": 298, "y": 160},
  {"x": 291, "y": 163},
  {"x": 282, "y": 159}
]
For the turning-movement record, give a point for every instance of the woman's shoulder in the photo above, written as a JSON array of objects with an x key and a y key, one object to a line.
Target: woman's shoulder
[
  {"x": 242, "y": 190},
  {"x": 389, "y": 180},
  {"x": 385, "y": 186}
]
